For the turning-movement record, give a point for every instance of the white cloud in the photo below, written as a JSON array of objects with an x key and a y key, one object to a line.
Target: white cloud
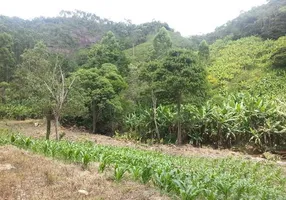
[{"x": 187, "y": 16}]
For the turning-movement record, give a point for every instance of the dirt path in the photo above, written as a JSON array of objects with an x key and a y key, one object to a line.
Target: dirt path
[{"x": 26, "y": 176}]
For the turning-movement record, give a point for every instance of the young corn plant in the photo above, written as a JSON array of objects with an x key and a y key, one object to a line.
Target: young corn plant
[
  {"x": 27, "y": 141},
  {"x": 135, "y": 172},
  {"x": 119, "y": 172},
  {"x": 85, "y": 158},
  {"x": 146, "y": 174},
  {"x": 187, "y": 190},
  {"x": 104, "y": 161}
]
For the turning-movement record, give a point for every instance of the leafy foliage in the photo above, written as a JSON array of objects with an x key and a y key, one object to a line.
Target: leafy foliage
[
  {"x": 235, "y": 119},
  {"x": 19, "y": 112},
  {"x": 73, "y": 30},
  {"x": 145, "y": 51},
  {"x": 204, "y": 51},
  {"x": 239, "y": 65},
  {"x": 7, "y": 60},
  {"x": 161, "y": 43},
  {"x": 266, "y": 21},
  {"x": 100, "y": 89},
  {"x": 108, "y": 51}
]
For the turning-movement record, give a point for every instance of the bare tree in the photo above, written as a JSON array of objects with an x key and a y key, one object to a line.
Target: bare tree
[
  {"x": 59, "y": 89},
  {"x": 45, "y": 83}
]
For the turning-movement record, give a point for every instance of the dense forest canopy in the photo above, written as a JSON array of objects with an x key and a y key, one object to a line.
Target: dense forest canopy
[
  {"x": 147, "y": 81},
  {"x": 73, "y": 30}
]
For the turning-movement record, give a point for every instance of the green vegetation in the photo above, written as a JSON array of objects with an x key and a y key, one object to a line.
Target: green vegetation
[
  {"x": 221, "y": 122},
  {"x": 266, "y": 21},
  {"x": 143, "y": 52},
  {"x": 6, "y": 57},
  {"x": 17, "y": 112},
  {"x": 184, "y": 178},
  {"x": 248, "y": 64},
  {"x": 146, "y": 81},
  {"x": 162, "y": 43},
  {"x": 73, "y": 30}
]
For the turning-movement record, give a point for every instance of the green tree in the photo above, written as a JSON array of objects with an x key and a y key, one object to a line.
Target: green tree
[
  {"x": 162, "y": 43},
  {"x": 149, "y": 75},
  {"x": 108, "y": 51},
  {"x": 204, "y": 51},
  {"x": 7, "y": 61},
  {"x": 181, "y": 76},
  {"x": 100, "y": 87}
]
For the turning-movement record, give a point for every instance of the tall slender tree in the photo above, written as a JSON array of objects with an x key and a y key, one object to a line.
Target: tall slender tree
[
  {"x": 7, "y": 63},
  {"x": 162, "y": 43},
  {"x": 204, "y": 51},
  {"x": 7, "y": 60},
  {"x": 149, "y": 75},
  {"x": 181, "y": 76}
]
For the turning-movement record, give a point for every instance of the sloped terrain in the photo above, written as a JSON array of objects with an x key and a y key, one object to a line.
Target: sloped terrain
[{"x": 36, "y": 177}]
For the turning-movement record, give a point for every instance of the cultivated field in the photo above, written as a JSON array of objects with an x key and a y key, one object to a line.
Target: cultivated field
[{"x": 98, "y": 167}]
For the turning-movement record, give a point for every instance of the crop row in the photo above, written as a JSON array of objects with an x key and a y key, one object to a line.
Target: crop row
[{"x": 181, "y": 177}]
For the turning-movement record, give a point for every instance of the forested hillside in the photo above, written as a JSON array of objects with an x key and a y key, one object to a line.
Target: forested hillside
[
  {"x": 71, "y": 31},
  {"x": 147, "y": 82},
  {"x": 143, "y": 51},
  {"x": 266, "y": 21}
]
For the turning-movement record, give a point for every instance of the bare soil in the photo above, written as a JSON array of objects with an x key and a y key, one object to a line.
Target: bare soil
[{"x": 26, "y": 176}]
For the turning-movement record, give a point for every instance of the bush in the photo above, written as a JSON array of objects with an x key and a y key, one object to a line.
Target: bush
[
  {"x": 18, "y": 112},
  {"x": 279, "y": 58}
]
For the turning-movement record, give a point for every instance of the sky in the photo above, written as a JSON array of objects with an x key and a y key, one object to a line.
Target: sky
[{"x": 189, "y": 17}]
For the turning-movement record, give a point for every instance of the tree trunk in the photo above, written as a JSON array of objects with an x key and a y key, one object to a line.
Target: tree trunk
[
  {"x": 219, "y": 142},
  {"x": 56, "y": 126},
  {"x": 154, "y": 101},
  {"x": 49, "y": 119},
  {"x": 7, "y": 74},
  {"x": 3, "y": 94},
  {"x": 94, "y": 118},
  {"x": 179, "y": 135}
]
